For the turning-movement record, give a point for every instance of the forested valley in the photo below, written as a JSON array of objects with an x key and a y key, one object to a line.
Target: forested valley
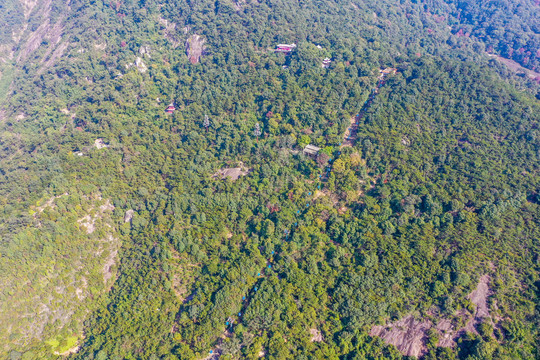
[{"x": 158, "y": 201}]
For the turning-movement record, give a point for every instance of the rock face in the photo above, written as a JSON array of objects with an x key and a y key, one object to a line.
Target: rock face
[
  {"x": 100, "y": 144},
  {"x": 479, "y": 297},
  {"x": 169, "y": 32},
  {"x": 30, "y": 42},
  {"x": 129, "y": 215},
  {"x": 28, "y": 6},
  {"x": 145, "y": 50},
  {"x": 80, "y": 266},
  {"x": 409, "y": 334},
  {"x": 316, "y": 335},
  {"x": 89, "y": 220},
  {"x": 195, "y": 48},
  {"x": 232, "y": 173},
  {"x": 140, "y": 65},
  {"x": 33, "y": 29}
]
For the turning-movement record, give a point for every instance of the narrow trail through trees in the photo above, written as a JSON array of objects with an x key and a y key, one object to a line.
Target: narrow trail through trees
[
  {"x": 349, "y": 139},
  {"x": 351, "y": 134}
]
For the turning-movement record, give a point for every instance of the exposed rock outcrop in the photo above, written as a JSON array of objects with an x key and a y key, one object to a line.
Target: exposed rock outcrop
[
  {"x": 195, "y": 48},
  {"x": 409, "y": 334}
]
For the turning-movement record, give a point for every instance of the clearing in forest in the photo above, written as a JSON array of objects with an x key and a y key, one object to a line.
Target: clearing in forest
[{"x": 232, "y": 173}]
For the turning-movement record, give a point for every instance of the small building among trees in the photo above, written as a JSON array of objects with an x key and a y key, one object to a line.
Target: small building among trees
[
  {"x": 326, "y": 63},
  {"x": 388, "y": 71},
  {"x": 170, "y": 109},
  {"x": 385, "y": 72},
  {"x": 311, "y": 150},
  {"x": 285, "y": 48}
]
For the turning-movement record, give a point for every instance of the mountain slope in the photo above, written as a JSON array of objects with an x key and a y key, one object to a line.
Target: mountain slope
[{"x": 119, "y": 239}]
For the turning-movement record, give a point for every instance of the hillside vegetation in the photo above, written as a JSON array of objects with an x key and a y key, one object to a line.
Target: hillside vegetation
[{"x": 120, "y": 239}]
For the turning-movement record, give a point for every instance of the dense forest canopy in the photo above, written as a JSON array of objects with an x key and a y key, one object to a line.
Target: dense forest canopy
[
  {"x": 510, "y": 28},
  {"x": 412, "y": 233}
]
